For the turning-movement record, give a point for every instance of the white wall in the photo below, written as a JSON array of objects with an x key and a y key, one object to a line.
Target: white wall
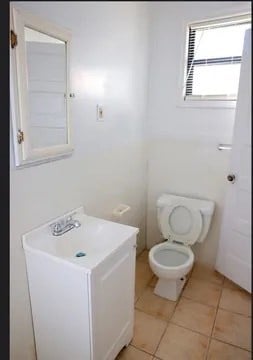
[
  {"x": 182, "y": 142},
  {"x": 108, "y": 167}
]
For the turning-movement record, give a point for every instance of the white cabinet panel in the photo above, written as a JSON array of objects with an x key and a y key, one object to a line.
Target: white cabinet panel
[
  {"x": 112, "y": 285},
  {"x": 60, "y": 309}
]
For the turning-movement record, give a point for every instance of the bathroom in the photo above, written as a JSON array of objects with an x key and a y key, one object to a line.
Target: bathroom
[{"x": 127, "y": 57}]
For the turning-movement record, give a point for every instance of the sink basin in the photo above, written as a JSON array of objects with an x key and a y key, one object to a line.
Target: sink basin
[{"x": 95, "y": 238}]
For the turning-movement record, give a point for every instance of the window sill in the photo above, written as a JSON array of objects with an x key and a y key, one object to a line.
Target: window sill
[{"x": 207, "y": 104}]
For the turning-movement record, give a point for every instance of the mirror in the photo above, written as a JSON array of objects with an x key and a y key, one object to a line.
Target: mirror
[
  {"x": 46, "y": 70},
  {"x": 40, "y": 89}
]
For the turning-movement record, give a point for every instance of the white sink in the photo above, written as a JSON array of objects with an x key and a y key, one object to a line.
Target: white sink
[
  {"x": 96, "y": 238},
  {"x": 82, "y": 307}
]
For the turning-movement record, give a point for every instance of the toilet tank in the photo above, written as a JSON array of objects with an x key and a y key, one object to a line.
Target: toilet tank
[{"x": 206, "y": 208}]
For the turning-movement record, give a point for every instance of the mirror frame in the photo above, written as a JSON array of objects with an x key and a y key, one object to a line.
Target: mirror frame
[{"x": 24, "y": 154}]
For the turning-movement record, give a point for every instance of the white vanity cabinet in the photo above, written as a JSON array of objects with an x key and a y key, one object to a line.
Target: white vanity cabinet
[{"x": 82, "y": 307}]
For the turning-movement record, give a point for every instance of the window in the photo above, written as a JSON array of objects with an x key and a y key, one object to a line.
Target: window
[{"x": 214, "y": 58}]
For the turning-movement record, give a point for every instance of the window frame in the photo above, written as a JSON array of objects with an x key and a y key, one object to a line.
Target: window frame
[{"x": 204, "y": 100}]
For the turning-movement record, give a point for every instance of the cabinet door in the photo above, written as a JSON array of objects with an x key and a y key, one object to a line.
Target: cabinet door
[
  {"x": 60, "y": 308},
  {"x": 112, "y": 302}
]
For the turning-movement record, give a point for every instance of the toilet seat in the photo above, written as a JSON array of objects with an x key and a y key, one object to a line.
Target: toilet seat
[
  {"x": 169, "y": 264},
  {"x": 193, "y": 223},
  {"x": 175, "y": 248}
]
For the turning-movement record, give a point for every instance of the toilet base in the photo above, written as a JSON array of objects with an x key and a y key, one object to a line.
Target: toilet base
[{"x": 170, "y": 289}]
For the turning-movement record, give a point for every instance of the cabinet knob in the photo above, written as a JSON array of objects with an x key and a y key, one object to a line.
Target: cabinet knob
[{"x": 135, "y": 246}]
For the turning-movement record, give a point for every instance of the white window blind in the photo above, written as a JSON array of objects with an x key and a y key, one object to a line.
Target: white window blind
[{"x": 214, "y": 58}]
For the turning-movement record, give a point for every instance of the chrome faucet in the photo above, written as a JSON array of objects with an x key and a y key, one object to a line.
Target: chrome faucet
[{"x": 64, "y": 225}]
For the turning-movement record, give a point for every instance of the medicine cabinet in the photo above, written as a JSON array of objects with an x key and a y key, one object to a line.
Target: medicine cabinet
[{"x": 39, "y": 89}]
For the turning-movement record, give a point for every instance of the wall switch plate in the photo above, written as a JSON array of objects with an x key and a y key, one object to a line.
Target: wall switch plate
[{"x": 100, "y": 113}]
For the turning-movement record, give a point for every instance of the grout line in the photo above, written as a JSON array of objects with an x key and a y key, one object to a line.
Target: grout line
[
  {"x": 206, "y": 281},
  {"x": 236, "y": 313},
  {"x": 182, "y": 296},
  {"x": 166, "y": 327},
  {"x": 214, "y": 323},
  {"x": 145, "y": 351},
  {"x": 227, "y": 343},
  {"x": 195, "y": 331},
  {"x": 199, "y": 302},
  {"x": 223, "y": 282},
  {"x": 207, "y": 348},
  {"x": 138, "y": 297},
  {"x": 168, "y": 322},
  {"x": 157, "y": 357},
  {"x": 240, "y": 347},
  {"x": 231, "y": 312},
  {"x": 155, "y": 317},
  {"x": 177, "y": 302}
]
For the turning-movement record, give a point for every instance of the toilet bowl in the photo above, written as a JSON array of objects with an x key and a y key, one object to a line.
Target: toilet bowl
[
  {"x": 182, "y": 222},
  {"x": 170, "y": 263}
]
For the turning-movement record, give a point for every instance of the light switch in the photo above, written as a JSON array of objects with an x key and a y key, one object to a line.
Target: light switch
[{"x": 100, "y": 113}]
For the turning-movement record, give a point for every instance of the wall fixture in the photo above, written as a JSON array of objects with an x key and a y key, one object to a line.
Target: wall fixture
[
  {"x": 39, "y": 89},
  {"x": 224, "y": 147}
]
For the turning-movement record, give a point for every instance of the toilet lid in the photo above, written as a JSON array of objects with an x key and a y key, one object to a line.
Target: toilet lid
[{"x": 181, "y": 223}]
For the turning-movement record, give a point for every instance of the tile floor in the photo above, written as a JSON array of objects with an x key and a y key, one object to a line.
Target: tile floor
[{"x": 211, "y": 319}]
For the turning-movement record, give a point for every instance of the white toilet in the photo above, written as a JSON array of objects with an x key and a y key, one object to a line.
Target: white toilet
[{"x": 182, "y": 222}]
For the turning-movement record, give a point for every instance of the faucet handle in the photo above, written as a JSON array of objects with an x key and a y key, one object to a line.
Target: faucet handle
[
  {"x": 77, "y": 223},
  {"x": 68, "y": 218},
  {"x": 56, "y": 227}
]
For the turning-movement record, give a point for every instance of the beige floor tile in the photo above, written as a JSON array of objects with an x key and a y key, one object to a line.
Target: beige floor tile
[
  {"x": 194, "y": 316},
  {"x": 143, "y": 257},
  {"x": 181, "y": 344},
  {"x": 131, "y": 353},
  {"x": 143, "y": 275},
  {"x": 153, "y": 281},
  {"x": 202, "y": 291},
  {"x": 203, "y": 272},
  {"x": 221, "y": 351},
  {"x": 236, "y": 300},
  {"x": 155, "y": 305},
  {"x": 231, "y": 285},
  {"x": 233, "y": 329},
  {"x": 147, "y": 331}
]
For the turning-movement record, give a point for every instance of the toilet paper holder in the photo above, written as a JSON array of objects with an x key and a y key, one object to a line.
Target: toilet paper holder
[{"x": 120, "y": 210}]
